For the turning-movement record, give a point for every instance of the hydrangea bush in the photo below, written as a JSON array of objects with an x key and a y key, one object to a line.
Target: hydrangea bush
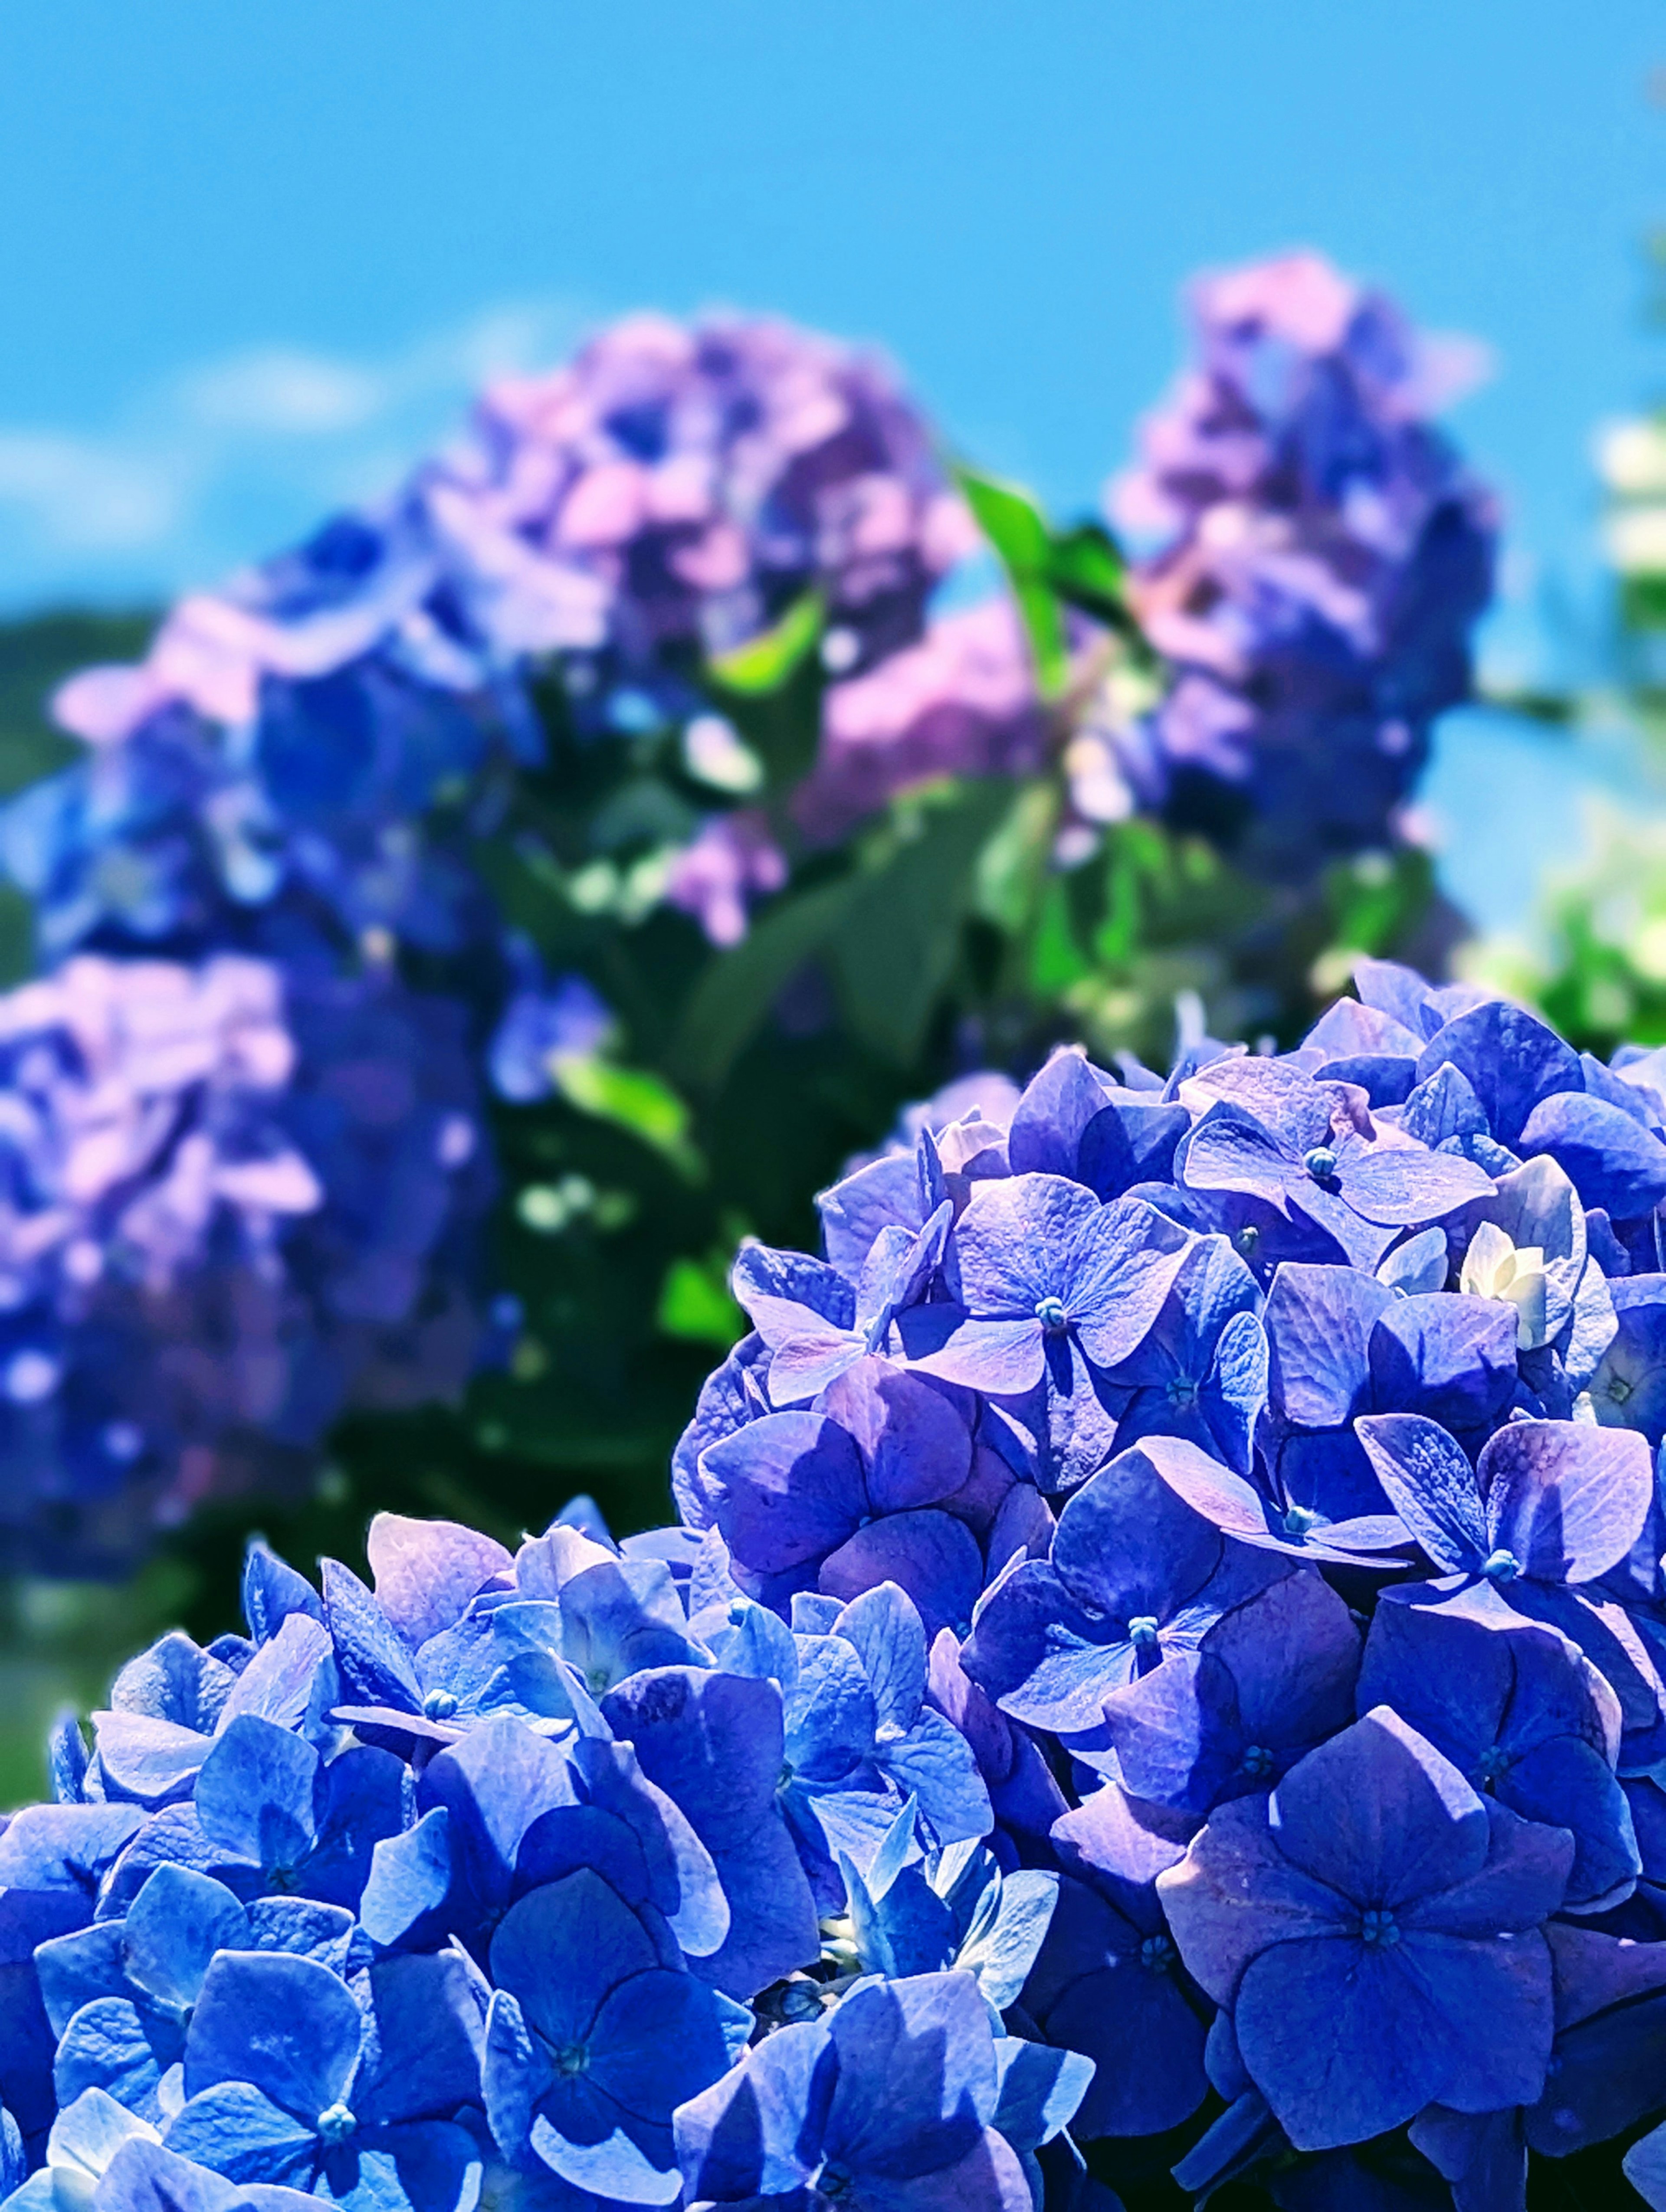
[
  {"x": 697, "y": 760},
  {"x": 1158, "y": 1681}
]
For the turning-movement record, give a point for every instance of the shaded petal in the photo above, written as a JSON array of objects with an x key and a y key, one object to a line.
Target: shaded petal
[
  {"x": 1612, "y": 1161},
  {"x": 791, "y": 1490},
  {"x": 1378, "y": 1814},
  {"x": 1431, "y": 1485}
]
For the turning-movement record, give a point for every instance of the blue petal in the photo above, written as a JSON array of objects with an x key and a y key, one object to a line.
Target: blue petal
[
  {"x": 256, "y": 1794},
  {"x": 1431, "y": 1485},
  {"x": 286, "y": 2026}
]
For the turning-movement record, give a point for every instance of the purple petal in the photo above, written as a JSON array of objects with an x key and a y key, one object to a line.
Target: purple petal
[
  {"x": 1235, "y": 1893},
  {"x": 914, "y": 1438},
  {"x": 1431, "y": 1485},
  {"x": 1009, "y": 1244},
  {"x": 1379, "y": 1814},
  {"x": 1611, "y": 1161},
  {"x": 933, "y": 1556},
  {"x": 791, "y": 1490},
  {"x": 1229, "y": 1150},
  {"x": 1511, "y": 1058},
  {"x": 1005, "y": 1358},
  {"x": 1050, "y": 1118},
  {"x": 1319, "y": 1322},
  {"x": 1402, "y": 1186},
  {"x": 1447, "y": 1356},
  {"x": 1124, "y": 1267},
  {"x": 1566, "y": 1498},
  {"x": 426, "y": 1571}
]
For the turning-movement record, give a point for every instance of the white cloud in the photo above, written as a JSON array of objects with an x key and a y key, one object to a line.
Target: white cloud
[
  {"x": 235, "y": 457},
  {"x": 280, "y": 389},
  {"x": 79, "y": 492}
]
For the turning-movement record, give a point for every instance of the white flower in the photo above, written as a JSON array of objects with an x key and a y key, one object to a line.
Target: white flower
[{"x": 1494, "y": 1267}]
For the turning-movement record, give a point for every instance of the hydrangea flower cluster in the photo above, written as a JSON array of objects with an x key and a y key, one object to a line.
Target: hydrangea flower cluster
[
  {"x": 1165, "y": 1634},
  {"x": 232, "y": 1204},
  {"x": 500, "y": 1881},
  {"x": 1321, "y": 558},
  {"x": 1270, "y": 1450},
  {"x": 308, "y": 745}
]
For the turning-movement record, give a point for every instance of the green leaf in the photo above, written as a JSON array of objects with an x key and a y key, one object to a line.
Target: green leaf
[
  {"x": 17, "y": 948},
  {"x": 765, "y": 662},
  {"x": 696, "y": 1304},
  {"x": 1010, "y": 519},
  {"x": 731, "y": 1000},
  {"x": 1013, "y": 867},
  {"x": 1017, "y": 530},
  {"x": 1085, "y": 566},
  {"x": 896, "y": 946},
  {"x": 632, "y": 1099}
]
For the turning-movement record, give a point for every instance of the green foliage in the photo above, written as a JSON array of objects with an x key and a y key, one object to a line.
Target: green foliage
[
  {"x": 1052, "y": 571},
  {"x": 1019, "y": 531},
  {"x": 1598, "y": 967},
  {"x": 737, "y": 1081},
  {"x": 35, "y": 656}
]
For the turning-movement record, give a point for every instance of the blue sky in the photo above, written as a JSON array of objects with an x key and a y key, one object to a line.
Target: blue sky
[{"x": 252, "y": 255}]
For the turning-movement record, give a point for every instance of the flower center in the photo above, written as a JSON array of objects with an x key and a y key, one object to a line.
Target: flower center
[
  {"x": 1378, "y": 1929},
  {"x": 1157, "y": 1954},
  {"x": 1618, "y": 1389},
  {"x": 1298, "y": 1520},
  {"x": 334, "y": 2124},
  {"x": 1501, "y": 1567},
  {"x": 439, "y": 1705},
  {"x": 1142, "y": 1630},
  {"x": 1247, "y": 1240},
  {"x": 1257, "y": 1760},
  {"x": 1320, "y": 1162},
  {"x": 1182, "y": 1393},
  {"x": 1050, "y": 1313},
  {"x": 833, "y": 2181},
  {"x": 571, "y": 2059},
  {"x": 1492, "y": 1762}
]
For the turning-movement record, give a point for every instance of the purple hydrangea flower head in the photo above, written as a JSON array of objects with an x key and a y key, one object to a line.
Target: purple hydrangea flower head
[
  {"x": 961, "y": 701},
  {"x": 1521, "y": 1712},
  {"x": 235, "y": 1201},
  {"x": 1108, "y": 1982},
  {"x": 1038, "y": 1264},
  {"x": 860, "y": 1739},
  {"x": 120, "y": 1994},
  {"x": 689, "y": 484},
  {"x": 1312, "y": 1156},
  {"x": 1201, "y": 1371},
  {"x": 1319, "y": 558},
  {"x": 1356, "y": 1924},
  {"x": 1552, "y": 1502},
  {"x": 1232, "y": 1716}
]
